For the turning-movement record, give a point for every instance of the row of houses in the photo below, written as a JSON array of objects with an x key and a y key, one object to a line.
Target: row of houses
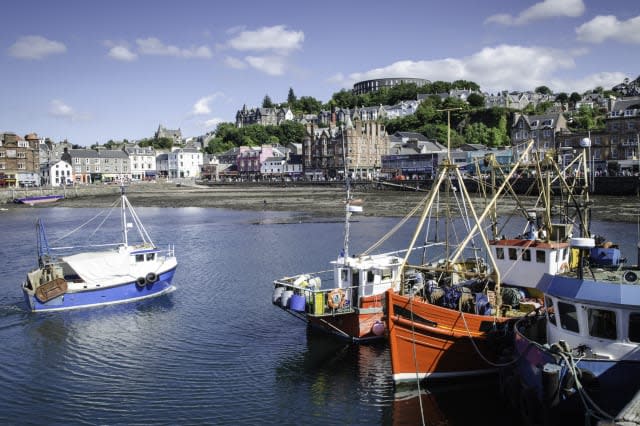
[{"x": 354, "y": 140}]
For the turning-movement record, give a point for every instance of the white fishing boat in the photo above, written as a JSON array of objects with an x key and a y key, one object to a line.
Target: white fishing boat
[
  {"x": 347, "y": 300},
  {"x": 102, "y": 274}
]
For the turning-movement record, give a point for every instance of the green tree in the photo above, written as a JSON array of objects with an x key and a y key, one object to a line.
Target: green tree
[
  {"x": 345, "y": 99},
  {"x": 163, "y": 143},
  {"x": 218, "y": 146},
  {"x": 563, "y": 98},
  {"x": 574, "y": 98},
  {"x": 291, "y": 98},
  {"x": 465, "y": 84},
  {"x": 475, "y": 100},
  {"x": 543, "y": 90},
  {"x": 309, "y": 105},
  {"x": 266, "y": 102}
]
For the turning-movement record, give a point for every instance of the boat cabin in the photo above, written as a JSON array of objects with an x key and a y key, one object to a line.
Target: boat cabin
[
  {"x": 367, "y": 275},
  {"x": 522, "y": 262}
]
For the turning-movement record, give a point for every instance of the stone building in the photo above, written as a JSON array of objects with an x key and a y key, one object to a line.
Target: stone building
[
  {"x": 262, "y": 116},
  {"x": 175, "y": 135},
  {"x": 364, "y": 142},
  {"x": 19, "y": 160}
]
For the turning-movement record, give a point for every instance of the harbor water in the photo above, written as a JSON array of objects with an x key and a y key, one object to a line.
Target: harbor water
[{"x": 214, "y": 351}]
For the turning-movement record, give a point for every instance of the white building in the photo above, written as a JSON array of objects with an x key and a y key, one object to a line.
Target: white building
[
  {"x": 142, "y": 162},
  {"x": 185, "y": 163},
  {"x": 272, "y": 166},
  {"x": 60, "y": 173}
]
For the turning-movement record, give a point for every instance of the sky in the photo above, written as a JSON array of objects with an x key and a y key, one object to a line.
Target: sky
[{"x": 90, "y": 72}]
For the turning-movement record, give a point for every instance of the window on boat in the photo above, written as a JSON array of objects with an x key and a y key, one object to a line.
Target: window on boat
[
  {"x": 344, "y": 275},
  {"x": 551, "y": 313},
  {"x": 526, "y": 255},
  {"x": 541, "y": 256},
  {"x": 139, "y": 257},
  {"x": 386, "y": 274},
  {"x": 602, "y": 323},
  {"x": 568, "y": 317},
  {"x": 370, "y": 276},
  {"x": 634, "y": 327},
  {"x": 151, "y": 256},
  {"x": 499, "y": 253},
  {"x": 513, "y": 254}
]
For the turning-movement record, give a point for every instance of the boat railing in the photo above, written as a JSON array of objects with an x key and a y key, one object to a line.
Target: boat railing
[{"x": 308, "y": 294}]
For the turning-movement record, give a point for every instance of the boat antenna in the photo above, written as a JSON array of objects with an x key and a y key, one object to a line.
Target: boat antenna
[{"x": 347, "y": 212}]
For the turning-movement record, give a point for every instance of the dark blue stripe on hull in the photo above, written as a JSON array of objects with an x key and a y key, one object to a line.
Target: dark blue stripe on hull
[{"x": 127, "y": 292}]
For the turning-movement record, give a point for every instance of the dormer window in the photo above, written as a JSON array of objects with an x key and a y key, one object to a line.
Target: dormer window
[
  {"x": 534, "y": 123},
  {"x": 547, "y": 122}
]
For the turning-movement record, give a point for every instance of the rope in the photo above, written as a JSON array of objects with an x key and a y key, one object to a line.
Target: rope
[
  {"x": 87, "y": 222},
  {"x": 396, "y": 227},
  {"x": 491, "y": 363}
]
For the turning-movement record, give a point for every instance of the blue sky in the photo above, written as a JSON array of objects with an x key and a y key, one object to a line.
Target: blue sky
[{"x": 92, "y": 71}]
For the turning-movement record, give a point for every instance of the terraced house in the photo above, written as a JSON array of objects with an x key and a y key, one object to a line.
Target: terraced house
[{"x": 106, "y": 165}]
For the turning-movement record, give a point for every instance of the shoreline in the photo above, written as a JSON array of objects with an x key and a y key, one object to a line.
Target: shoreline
[{"x": 320, "y": 200}]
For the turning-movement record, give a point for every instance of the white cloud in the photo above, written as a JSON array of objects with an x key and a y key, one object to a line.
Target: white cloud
[
  {"x": 201, "y": 107},
  {"x": 602, "y": 28},
  {"x": 35, "y": 47},
  {"x": 494, "y": 69},
  {"x": 272, "y": 65},
  {"x": 122, "y": 53},
  {"x": 212, "y": 122},
  {"x": 153, "y": 46},
  {"x": 542, "y": 10},
  {"x": 235, "y": 63},
  {"x": 276, "y": 38},
  {"x": 59, "y": 109}
]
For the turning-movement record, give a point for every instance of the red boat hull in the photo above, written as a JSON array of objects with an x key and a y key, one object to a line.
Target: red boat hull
[
  {"x": 430, "y": 341},
  {"x": 366, "y": 323}
]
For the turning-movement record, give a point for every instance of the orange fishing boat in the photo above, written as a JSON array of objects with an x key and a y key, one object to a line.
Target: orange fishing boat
[{"x": 445, "y": 318}]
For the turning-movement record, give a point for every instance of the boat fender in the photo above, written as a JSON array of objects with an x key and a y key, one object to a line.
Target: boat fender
[
  {"x": 377, "y": 328},
  {"x": 151, "y": 277},
  {"x": 141, "y": 282},
  {"x": 336, "y": 298}
]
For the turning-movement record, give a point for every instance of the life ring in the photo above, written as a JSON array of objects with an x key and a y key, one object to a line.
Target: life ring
[
  {"x": 335, "y": 299},
  {"x": 151, "y": 277},
  {"x": 564, "y": 267},
  {"x": 141, "y": 282}
]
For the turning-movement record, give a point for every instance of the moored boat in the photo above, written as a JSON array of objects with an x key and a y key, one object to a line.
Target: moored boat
[
  {"x": 446, "y": 319},
  {"x": 90, "y": 275},
  {"x": 347, "y": 300},
  {"x": 38, "y": 199},
  {"x": 580, "y": 357}
]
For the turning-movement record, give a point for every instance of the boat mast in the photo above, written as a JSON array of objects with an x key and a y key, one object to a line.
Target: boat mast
[
  {"x": 347, "y": 212},
  {"x": 123, "y": 208}
]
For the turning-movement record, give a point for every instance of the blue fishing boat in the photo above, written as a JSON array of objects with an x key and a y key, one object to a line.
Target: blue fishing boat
[
  {"x": 579, "y": 358},
  {"x": 99, "y": 274}
]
